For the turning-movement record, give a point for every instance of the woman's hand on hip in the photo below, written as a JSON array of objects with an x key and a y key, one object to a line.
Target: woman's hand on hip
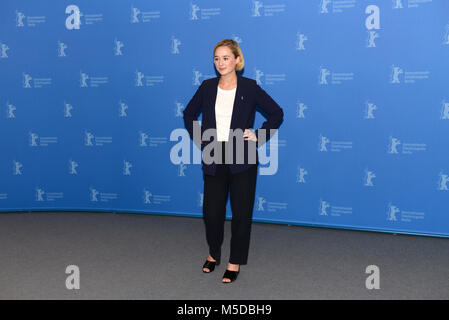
[{"x": 249, "y": 135}]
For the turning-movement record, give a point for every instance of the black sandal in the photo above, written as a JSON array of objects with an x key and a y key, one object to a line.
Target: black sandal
[
  {"x": 210, "y": 265},
  {"x": 231, "y": 275}
]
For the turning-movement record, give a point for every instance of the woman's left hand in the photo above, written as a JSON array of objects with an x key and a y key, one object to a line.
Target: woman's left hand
[{"x": 249, "y": 135}]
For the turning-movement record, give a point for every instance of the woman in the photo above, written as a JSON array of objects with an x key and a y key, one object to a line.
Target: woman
[{"x": 228, "y": 104}]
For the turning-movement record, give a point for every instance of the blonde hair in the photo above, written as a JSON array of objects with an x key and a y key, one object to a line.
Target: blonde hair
[{"x": 235, "y": 49}]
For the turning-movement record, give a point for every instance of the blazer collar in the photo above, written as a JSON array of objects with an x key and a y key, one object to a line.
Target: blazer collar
[{"x": 239, "y": 77}]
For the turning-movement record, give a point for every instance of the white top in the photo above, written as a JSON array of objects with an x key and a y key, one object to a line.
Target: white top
[{"x": 223, "y": 112}]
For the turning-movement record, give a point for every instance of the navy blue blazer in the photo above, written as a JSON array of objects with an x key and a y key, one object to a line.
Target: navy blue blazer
[{"x": 248, "y": 96}]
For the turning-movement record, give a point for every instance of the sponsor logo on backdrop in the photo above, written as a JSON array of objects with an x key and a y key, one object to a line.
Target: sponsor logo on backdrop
[
  {"x": 127, "y": 168},
  {"x": 300, "y": 39},
  {"x": 259, "y": 9},
  {"x": 36, "y": 82},
  {"x": 324, "y": 6},
  {"x": 258, "y": 75},
  {"x": 142, "y": 80},
  {"x": 326, "y": 77},
  {"x": 401, "y": 4},
  {"x": 263, "y": 205},
  {"x": 323, "y": 142},
  {"x": 3, "y": 196},
  {"x": 300, "y": 108},
  {"x": 96, "y": 195},
  {"x": 194, "y": 11},
  {"x": 139, "y": 79},
  {"x": 147, "y": 196},
  {"x": 181, "y": 170},
  {"x": 36, "y": 141},
  {"x": 61, "y": 49},
  {"x": 326, "y": 209},
  {"x": 10, "y": 108},
  {"x": 398, "y": 75},
  {"x": 325, "y": 145},
  {"x": 257, "y": 5},
  {"x": 30, "y": 21},
  {"x": 83, "y": 79},
  {"x": 446, "y": 35},
  {"x": 90, "y": 140},
  {"x": 175, "y": 43},
  {"x": 150, "y": 198},
  {"x": 197, "y": 13},
  {"x": 145, "y": 140},
  {"x": 178, "y": 109},
  {"x": 74, "y": 21},
  {"x": 87, "y": 80},
  {"x": 368, "y": 179},
  {"x": 42, "y": 195},
  {"x": 396, "y": 146},
  {"x": 3, "y": 50},
  {"x": 397, "y": 4},
  {"x": 237, "y": 39},
  {"x": 27, "y": 80},
  {"x": 445, "y": 110},
  {"x": 324, "y": 73},
  {"x": 269, "y": 78},
  {"x": 67, "y": 110},
  {"x": 394, "y": 213},
  {"x": 370, "y": 107},
  {"x": 372, "y": 35},
  {"x": 19, "y": 19},
  {"x": 395, "y": 72},
  {"x": 198, "y": 77},
  {"x": 138, "y": 16},
  {"x": 72, "y": 167},
  {"x": 39, "y": 194},
  {"x": 118, "y": 45},
  {"x": 17, "y": 168},
  {"x": 336, "y": 6},
  {"x": 122, "y": 109},
  {"x": 443, "y": 181},
  {"x": 301, "y": 174}
]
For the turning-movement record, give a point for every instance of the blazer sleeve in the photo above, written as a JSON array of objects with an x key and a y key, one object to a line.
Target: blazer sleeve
[
  {"x": 193, "y": 109},
  {"x": 274, "y": 112}
]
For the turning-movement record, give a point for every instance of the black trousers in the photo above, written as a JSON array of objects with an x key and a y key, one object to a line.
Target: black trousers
[{"x": 242, "y": 187}]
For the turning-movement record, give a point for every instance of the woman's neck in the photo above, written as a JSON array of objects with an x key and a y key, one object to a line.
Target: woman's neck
[{"x": 228, "y": 81}]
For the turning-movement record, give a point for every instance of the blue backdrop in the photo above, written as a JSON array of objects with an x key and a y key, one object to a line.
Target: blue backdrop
[{"x": 92, "y": 90}]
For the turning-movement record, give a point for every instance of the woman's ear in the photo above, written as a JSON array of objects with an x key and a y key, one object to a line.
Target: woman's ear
[{"x": 238, "y": 60}]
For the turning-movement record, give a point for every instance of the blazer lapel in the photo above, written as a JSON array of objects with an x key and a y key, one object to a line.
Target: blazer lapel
[
  {"x": 237, "y": 100},
  {"x": 213, "y": 99}
]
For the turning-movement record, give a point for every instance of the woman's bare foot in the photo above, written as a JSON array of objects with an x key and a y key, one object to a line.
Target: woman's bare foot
[
  {"x": 209, "y": 258},
  {"x": 231, "y": 267}
]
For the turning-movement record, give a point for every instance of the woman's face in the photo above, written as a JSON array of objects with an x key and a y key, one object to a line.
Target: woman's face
[{"x": 225, "y": 61}]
